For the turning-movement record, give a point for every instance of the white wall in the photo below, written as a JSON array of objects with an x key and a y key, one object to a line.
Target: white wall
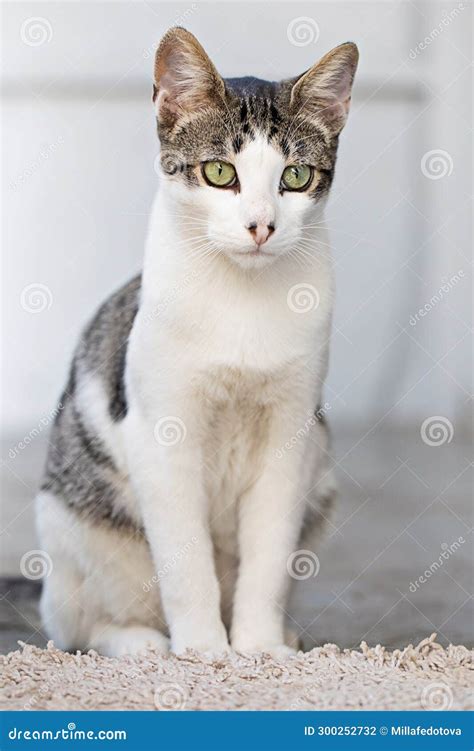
[{"x": 78, "y": 150}]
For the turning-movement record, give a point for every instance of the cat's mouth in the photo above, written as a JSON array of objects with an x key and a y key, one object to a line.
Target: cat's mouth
[
  {"x": 253, "y": 253},
  {"x": 253, "y": 257}
]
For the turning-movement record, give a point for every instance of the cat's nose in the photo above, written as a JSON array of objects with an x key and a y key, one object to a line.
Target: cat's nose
[{"x": 261, "y": 232}]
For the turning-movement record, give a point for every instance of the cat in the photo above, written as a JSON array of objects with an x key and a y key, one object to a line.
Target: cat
[{"x": 189, "y": 463}]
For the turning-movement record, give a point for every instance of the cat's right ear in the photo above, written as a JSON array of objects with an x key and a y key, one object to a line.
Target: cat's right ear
[{"x": 185, "y": 78}]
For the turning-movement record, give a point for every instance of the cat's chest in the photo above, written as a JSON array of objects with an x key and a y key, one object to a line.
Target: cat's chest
[
  {"x": 264, "y": 338},
  {"x": 238, "y": 424}
]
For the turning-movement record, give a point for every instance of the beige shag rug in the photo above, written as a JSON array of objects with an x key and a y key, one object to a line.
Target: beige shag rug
[{"x": 423, "y": 677}]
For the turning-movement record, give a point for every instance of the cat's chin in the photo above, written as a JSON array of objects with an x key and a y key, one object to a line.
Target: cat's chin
[{"x": 252, "y": 259}]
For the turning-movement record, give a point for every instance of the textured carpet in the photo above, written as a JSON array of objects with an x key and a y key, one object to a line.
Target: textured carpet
[{"x": 423, "y": 677}]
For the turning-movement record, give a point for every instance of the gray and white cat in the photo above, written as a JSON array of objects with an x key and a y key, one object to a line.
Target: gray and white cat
[{"x": 187, "y": 464}]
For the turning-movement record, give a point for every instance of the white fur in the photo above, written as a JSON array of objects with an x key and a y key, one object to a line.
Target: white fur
[
  {"x": 242, "y": 371},
  {"x": 97, "y": 581},
  {"x": 93, "y": 404},
  {"x": 215, "y": 346}
]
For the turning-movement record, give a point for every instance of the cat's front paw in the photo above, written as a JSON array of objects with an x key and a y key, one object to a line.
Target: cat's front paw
[
  {"x": 117, "y": 641},
  {"x": 209, "y": 650},
  {"x": 279, "y": 651},
  {"x": 210, "y": 645}
]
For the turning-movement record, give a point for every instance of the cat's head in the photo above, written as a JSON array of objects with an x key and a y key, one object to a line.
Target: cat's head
[{"x": 247, "y": 161}]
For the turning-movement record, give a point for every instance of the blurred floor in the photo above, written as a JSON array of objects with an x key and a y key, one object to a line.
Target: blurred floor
[
  {"x": 404, "y": 509},
  {"x": 402, "y": 505}
]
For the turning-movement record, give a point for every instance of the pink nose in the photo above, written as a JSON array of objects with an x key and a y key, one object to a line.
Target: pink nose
[{"x": 261, "y": 232}]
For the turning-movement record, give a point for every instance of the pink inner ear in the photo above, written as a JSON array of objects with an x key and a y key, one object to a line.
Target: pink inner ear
[
  {"x": 185, "y": 79},
  {"x": 326, "y": 88},
  {"x": 165, "y": 101},
  {"x": 333, "y": 109},
  {"x": 168, "y": 77},
  {"x": 342, "y": 85},
  {"x": 334, "y": 84},
  {"x": 170, "y": 86}
]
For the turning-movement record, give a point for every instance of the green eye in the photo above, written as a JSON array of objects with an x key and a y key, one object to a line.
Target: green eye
[
  {"x": 296, "y": 176},
  {"x": 220, "y": 174}
]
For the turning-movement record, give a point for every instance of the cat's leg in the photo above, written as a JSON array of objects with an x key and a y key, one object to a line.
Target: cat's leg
[
  {"x": 99, "y": 590},
  {"x": 62, "y": 615},
  {"x": 167, "y": 473},
  {"x": 270, "y": 520}
]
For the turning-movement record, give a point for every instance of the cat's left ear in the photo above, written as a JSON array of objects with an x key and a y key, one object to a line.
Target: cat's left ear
[
  {"x": 185, "y": 78},
  {"x": 324, "y": 91}
]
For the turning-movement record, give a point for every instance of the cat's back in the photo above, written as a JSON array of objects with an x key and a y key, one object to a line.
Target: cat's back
[
  {"x": 85, "y": 464},
  {"x": 102, "y": 348}
]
